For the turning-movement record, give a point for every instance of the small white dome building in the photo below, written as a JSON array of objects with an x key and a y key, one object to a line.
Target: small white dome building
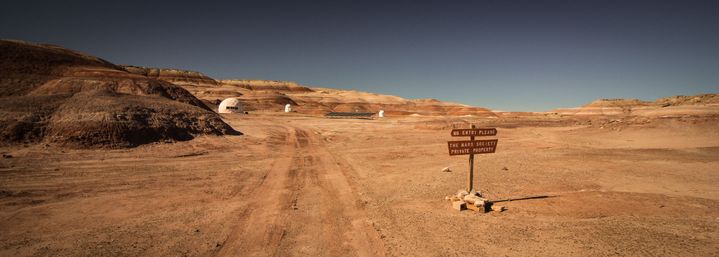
[
  {"x": 230, "y": 105},
  {"x": 381, "y": 113},
  {"x": 288, "y": 108}
]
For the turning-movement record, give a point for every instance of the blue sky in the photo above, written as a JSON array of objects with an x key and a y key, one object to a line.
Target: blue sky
[{"x": 505, "y": 55}]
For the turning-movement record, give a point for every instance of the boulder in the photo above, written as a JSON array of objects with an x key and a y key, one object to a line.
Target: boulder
[
  {"x": 462, "y": 193},
  {"x": 459, "y": 205},
  {"x": 498, "y": 208},
  {"x": 474, "y": 199},
  {"x": 482, "y": 205}
]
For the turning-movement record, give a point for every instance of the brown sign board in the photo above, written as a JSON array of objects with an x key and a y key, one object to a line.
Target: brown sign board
[
  {"x": 477, "y": 132},
  {"x": 472, "y": 147}
]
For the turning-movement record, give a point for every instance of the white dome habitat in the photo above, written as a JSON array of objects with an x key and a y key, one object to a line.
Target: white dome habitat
[{"x": 230, "y": 105}]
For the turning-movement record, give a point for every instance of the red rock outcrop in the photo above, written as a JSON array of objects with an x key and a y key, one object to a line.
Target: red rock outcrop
[
  {"x": 267, "y": 85},
  {"x": 704, "y": 104},
  {"x": 56, "y": 95},
  {"x": 175, "y": 76},
  {"x": 273, "y": 95}
]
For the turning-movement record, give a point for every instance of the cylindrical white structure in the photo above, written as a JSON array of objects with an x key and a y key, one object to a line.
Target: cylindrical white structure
[
  {"x": 381, "y": 113},
  {"x": 230, "y": 105},
  {"x": 288, "y": 108}
]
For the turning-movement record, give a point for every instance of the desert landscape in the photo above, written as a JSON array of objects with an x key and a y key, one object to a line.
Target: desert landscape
[{"x": 102, "y": 159}]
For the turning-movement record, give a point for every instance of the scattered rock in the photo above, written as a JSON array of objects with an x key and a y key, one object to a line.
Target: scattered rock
[
  {"x": 479, "y": 206},
  {"x": 459, "y": 205},
  {"x": 6, "y": 156},
  {"x": 476, "y": 200},
  {"x": 505, "y": 168},
  {"x": 469, "y": 198},
  {"x": 498, "y": 208},
  {"x": 446, "y": 169},
  {"x": 462, "y": 193}
]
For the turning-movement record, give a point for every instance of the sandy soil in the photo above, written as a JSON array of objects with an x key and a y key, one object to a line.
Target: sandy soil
[{"x": 305, "y": 186}]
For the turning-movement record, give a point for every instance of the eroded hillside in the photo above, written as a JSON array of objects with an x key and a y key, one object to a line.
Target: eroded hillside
[{"x": 56, "y": 95}]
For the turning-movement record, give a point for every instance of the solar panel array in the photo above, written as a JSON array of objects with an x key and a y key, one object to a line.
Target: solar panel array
[{"x": 356, "y": 115}]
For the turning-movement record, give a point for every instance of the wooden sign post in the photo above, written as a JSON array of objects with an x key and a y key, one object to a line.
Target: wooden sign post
[{"x": 472, "y": 147}]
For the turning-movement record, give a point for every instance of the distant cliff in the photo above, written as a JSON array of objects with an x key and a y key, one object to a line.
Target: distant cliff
[
  {"x": 703, "y": 104},
  {"x": 272, "y": 95},
  {"x": 175, "y": 76}
]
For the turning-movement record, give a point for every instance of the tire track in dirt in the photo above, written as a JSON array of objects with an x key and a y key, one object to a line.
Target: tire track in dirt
[
  {"x": 304, "y": 207},
  {"x": 260, "y": 229}
]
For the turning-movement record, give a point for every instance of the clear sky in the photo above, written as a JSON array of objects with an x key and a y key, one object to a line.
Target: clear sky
[{"x": 504, "y": 55}]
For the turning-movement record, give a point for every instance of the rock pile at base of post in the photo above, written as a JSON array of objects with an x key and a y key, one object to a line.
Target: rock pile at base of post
[{"x": 472, "y": 200}]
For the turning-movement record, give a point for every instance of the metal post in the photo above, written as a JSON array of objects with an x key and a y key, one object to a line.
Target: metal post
[{"x": 471, "y": 167}]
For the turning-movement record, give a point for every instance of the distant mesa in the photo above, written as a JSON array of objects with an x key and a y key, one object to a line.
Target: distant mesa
[
  {"x": 426, "y": 100},
  {"x": 617, "y": 102},
  {"x": 272, "y": 95},
  {"x": 175, "y": 76},
  {"x": 267, "y": 85},
  {"x": 703, "y": 104},
  {"x": 703, "y": 99},
  {"x": 56, "y": 95}
]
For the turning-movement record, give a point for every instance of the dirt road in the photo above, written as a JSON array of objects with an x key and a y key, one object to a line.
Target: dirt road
[
  {"x": 295, "y": 185},
  {"x": 304, "y": 206}
]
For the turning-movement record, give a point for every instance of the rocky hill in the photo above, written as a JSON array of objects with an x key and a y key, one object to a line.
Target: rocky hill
[
  {"x": 175, "y": 76},
  {"x": 704, "y": 104},
  {"x": 267, "y": 85},
  {"x": 273, "y": 95},
  {"x": 270, "y": 95},
  {"x": 704, "y": 99},
  {"x": 56, "y": 95}
]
